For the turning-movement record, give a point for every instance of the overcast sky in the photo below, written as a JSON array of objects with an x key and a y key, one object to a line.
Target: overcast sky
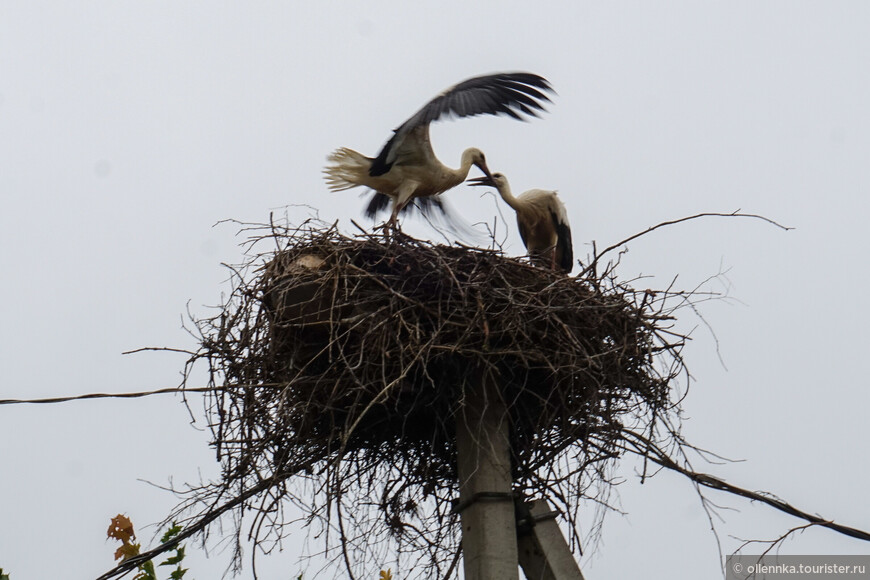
[{"x": 128, "y": 130}]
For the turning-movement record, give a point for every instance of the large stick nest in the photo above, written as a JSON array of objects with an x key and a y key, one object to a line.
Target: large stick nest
[{"x": 342, "y": 364}]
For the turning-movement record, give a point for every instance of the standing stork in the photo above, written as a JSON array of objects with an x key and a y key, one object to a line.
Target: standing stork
[
  {"x": 542, "y": 221},
  {"x": 407, "y": 169}
]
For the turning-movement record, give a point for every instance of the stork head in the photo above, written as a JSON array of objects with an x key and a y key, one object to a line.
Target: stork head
[
  {"x": 474, "y": 156},
  {"x": 496, "y": 180}
]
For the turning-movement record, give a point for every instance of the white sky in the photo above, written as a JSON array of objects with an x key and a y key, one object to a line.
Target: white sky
[{"x": 127, "y": 130}]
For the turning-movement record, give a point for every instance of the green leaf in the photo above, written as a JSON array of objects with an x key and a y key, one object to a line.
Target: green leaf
[
  {"x": 3, "y": 576},
  {"x": 176, "y": 559},
  {"x": 171, "y": 533},
  {"x": 146, "y": 572},
  {"x": 177, "y": 574}
]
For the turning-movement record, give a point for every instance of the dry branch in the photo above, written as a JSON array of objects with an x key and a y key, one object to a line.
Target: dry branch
[
  {"x": 642, "y": 446},
  {"x": 737, "y": 213}
]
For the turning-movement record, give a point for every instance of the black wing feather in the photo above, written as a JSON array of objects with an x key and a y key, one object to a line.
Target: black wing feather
[
  {"x": 434, "y": 209},
  {"x": 512, "y": 94},
  {"x": 430, "y": 206},
  {"x": 378, "y": 203},
  {"x": 485, "y": 95},
  {"x": 380, "y": 164},
  {"x": 564, "y": 247}
]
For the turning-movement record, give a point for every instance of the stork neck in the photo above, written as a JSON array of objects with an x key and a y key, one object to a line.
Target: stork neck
[
  {"x": 505, "y": 192},
  {"x": 465, "y": 164},
  {"x": 464, "y": 167},
  {"x": 456, "y": 176}
]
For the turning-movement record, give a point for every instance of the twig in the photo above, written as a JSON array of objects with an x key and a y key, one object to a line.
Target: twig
[{"x": 736, "y": 213}]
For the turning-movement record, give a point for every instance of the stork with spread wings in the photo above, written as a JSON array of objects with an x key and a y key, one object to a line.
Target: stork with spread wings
[{"x": 407, "y": 169}]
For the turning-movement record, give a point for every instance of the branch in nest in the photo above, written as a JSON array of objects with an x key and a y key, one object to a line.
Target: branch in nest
[{"x": 592, "y": 267}]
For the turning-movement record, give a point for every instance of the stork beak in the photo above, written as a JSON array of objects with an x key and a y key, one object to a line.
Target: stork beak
[
  {"x": 483, "y": 167},
  {"x": 486, "y": 180}
]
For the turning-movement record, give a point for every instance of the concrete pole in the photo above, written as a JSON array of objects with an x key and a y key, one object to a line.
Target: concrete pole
[
  {"x": 489, "y": 533},
  {"x": 544, "y": 553}
]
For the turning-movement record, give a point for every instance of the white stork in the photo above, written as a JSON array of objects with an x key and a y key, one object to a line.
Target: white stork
[
  {"x": 407, "y": 169},
  {"x": 542, "y": 221}
]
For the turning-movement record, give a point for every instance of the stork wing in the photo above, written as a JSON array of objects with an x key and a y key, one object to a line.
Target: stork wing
[
  {"x": 512, "y": 94},
  {"x": 564, "y": 247},
  {"x": 377, "y": 204},
  {"x": 429, "y": 206},
  {"x": 434, "y": 210}
]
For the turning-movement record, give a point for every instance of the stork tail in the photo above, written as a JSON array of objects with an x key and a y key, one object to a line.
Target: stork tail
[{"x": 346, "y": 169}]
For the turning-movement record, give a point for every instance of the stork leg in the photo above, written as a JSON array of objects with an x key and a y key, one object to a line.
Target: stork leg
[
  {"x": 392, "y": 224},
  {"x": 389, "y": 228},
  {"x": 405, "y": 195}
]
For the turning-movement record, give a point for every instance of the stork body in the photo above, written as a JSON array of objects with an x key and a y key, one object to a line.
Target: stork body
[
  {"x": 407, "y": 169},
  {"x": 542, "y": 220}
]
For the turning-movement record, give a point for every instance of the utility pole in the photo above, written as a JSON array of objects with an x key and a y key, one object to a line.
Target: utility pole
[
  {"x": 486, "y": 506},
  {"x": 500, "y": 532}
]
